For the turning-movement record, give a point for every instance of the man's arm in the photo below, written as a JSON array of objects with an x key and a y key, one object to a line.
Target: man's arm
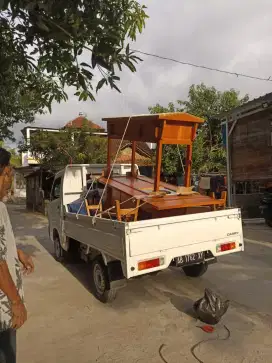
[
  {"x": 6, "y": 283},
  {"x": 26, "y": 261},
  {"x": 19, "y": 314}
]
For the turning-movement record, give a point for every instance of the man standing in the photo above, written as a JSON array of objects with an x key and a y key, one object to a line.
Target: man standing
[{"x": 13, "y": 313}]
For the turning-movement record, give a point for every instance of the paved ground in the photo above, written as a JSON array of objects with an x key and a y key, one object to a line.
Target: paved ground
[{"x": 66, "y": 324}]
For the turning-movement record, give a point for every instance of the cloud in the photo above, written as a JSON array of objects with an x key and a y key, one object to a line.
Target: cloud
[{"x": 230, "y": 35}]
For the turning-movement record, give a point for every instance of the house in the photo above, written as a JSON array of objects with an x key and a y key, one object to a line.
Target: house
[
  {"x": 249, "y": 153},
  {"x": 143, "y": 156},
  {"x": 39, "y": 181},
  {"x": 77, "y": 123}
]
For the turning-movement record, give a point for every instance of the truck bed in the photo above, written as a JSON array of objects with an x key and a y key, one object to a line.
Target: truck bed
[{"x": 164, "y": 238}]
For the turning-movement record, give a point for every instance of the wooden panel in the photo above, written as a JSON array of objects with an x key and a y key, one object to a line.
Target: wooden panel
[
  {"x": 178, "y": 133},
  {"x": 188, "y": 166},
  {"x": 251, "y": 148},
  {"x": 133, "y": 157},
  {"x": 135, "y": 131},
  {"x": 137, "y": 188},
  {"x": 173, "y": 116},
  {"x": 149, "y": 127},
  {"x": 158, "y": 166}
]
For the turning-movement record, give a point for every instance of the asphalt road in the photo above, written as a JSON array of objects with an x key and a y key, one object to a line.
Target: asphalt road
[{"x": 66, "y": 323}]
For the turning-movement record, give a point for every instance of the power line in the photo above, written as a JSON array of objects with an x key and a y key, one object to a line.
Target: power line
[{"x": 204, "y": 67}]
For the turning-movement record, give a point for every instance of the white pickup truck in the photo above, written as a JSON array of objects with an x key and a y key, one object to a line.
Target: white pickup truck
[{"x": 123, "y": 250}]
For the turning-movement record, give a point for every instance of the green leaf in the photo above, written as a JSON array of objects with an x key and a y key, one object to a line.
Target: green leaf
[
  {"x": 88, "y": 74},
  {"x": 81, "y": 81},
  {"x": 94, "y": 60},
  {"x": 115, "y": 87},
  {"x": 100, "y": 84},
  {"x": 41, "y": 25},
  {"x": 83, "y": 64},
  {"x": 103, "y": 63}
]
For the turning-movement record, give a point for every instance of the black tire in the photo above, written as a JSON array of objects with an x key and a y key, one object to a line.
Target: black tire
[
  {"x": 268, "y": 222},
  {"x": 70, "y": 256},
  {"x": 59, "y": 252},
  {"x": 100, "y": 284},
  {"x": 195, "y": 270}
]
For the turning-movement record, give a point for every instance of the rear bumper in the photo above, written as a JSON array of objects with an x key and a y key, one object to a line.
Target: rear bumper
[{"x": 168, "y": 255}]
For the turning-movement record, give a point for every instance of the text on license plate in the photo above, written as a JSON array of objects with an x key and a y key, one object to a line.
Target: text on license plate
[{"x": 190, "y": 259}]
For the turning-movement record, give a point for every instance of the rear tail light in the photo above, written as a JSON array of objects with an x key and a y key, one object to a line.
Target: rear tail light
[
  {"x": 226, "y": 247},
  {"x": 147, "y": 264}
]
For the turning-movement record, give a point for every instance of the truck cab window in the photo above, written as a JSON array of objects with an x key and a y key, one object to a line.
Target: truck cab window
[{"x": 56, "y": 189}]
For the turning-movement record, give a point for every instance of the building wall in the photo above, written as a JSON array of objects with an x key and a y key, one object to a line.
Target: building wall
[
  {"x": 34, "y": 194},
  {"x": 251, "y": 148},
  {"x": 249, "y": 204},
  {"x": 251, "y": 161}
]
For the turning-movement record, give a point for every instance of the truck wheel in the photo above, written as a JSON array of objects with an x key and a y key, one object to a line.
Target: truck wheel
[
  {"x": 100, "y": 282},
  {"x": 195, "y": 270},
  {"x": 59, "y": 252}
]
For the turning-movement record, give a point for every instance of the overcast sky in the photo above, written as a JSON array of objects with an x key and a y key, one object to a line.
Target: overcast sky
[{"x": 231, "y": 35}]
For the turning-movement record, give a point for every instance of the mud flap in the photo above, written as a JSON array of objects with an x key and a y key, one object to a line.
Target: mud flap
[{"x": 117, "y": 279}]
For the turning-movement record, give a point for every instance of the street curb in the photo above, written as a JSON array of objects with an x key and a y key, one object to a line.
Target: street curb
[
  {"x": 253, "y": 221},
  {"x": 261, "y": 243}
]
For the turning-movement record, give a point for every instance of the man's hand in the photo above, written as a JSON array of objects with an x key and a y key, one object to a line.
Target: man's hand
[
  {"x": 26, "y": 261},
  {"x": 19, "y": 314}
]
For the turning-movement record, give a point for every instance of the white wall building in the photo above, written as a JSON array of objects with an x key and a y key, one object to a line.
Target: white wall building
[{"x": 27, "y": 157}]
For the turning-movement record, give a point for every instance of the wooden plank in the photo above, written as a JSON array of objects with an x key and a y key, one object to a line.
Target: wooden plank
[
  {"x": 168, "y": 203},
  {"x": 109, "y": 156},
  {"x": 178, "y": 127},
  {"x": 162, "y": 184},
  {"x": 133, "y": 155},
  {"x": 187, "y": 181},
  {"x": 173, "y": 116},
  {"x": 177, "y": 142},
  {"x": 132, "y": 189},
  {"x": 158, "y": 166}
]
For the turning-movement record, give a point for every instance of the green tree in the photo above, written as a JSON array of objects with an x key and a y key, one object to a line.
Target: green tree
[
  {"x": 42, "y": 44},
  {"x": 67, "y": 146},
  {"x": 207, "y": 103}
]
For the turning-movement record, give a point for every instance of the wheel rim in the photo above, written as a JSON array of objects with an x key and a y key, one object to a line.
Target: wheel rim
[
  {"x": 57, "y": 249},
  {"x": 99, "y": 279}
]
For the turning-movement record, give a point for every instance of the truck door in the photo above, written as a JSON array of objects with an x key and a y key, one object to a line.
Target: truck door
[{"x": 55, "y": 210}]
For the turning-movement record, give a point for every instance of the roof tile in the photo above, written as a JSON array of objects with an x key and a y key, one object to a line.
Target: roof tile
[{"x": 80, "y": 121}]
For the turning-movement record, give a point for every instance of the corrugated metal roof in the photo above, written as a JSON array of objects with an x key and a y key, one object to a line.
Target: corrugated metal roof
[
  {"x": 249, "y": 106},
  {"x": 141, "y": 147},
  {"x": 139, "y": 160}
]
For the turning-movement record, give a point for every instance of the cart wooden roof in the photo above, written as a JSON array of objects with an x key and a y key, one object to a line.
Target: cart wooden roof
[{"x": 169, "y": 128}]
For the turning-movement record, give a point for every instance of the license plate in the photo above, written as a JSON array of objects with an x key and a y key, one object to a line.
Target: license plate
[{"x": 190, "y": 259}]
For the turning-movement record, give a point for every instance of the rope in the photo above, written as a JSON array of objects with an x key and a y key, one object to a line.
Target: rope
[
  {"x": 181, "y": 159},
  {"x": 83, "y": 201},
  {"x": 134, "y": 209},
  {"x": 207, "y": 340},
  {"x": 116, "y": 155},
  {"x": 197, "y": 345},
  {"x": 111, "y": 208}
]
